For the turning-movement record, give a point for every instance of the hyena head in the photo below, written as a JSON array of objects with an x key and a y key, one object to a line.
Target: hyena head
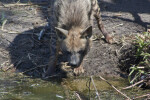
[{"x": 74, "y": 44}]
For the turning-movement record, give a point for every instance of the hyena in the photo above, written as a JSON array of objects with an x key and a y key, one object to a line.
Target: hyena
[{"x": 74, "y": 21}]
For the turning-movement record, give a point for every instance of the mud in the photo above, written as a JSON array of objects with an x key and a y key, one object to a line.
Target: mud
[{"x": 20, "y": 48}]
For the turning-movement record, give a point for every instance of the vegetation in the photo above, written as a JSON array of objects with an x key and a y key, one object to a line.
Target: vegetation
[
  {"x": 142, "y": 69},
  {"x": 3, "y": 21}
]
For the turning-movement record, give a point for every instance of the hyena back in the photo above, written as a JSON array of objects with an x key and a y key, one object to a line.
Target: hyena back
[{"x": 74, "y": 29}]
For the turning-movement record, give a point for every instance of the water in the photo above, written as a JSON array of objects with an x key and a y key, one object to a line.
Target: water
[{"x": 20, "y": 87}]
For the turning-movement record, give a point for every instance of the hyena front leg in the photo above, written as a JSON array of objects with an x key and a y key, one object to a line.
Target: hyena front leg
[
  {"x": 54, "y": 49},
  {"x": 51, "y": 67},
  {"x": 97, "y": 15},
  {"x": 79, "y": 70}
]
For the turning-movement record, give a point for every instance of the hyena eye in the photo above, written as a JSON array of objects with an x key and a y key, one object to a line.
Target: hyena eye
[
  {"x": 81, "y": 51},
  {"x": 85, "y": 37}
]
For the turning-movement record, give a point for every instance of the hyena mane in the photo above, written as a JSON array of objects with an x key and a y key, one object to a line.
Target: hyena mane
[{"x": 73, "y": 13}]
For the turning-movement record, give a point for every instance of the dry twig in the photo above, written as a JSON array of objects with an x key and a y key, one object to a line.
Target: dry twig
[
  {"x": 134, "y": 84},
  {"x": 33, "y": 68},
  {"x": 43, "y": 31},
  {"x": 78, "y": 96},
  {"x": 23, "y": 4},
  {"x": 146, "y": 95},
  {"x": 115, "y": 88},
  {"x": 118, "y": 25},
  {"x": 95, "y": 88},
  {"x": 3, "y": 24}
]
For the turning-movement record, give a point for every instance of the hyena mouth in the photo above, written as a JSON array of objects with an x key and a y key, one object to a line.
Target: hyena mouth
[{"x": 75, "y": 60}]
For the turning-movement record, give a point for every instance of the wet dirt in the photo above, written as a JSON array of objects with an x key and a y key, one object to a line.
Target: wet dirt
[{"x": 21, "y": 49}]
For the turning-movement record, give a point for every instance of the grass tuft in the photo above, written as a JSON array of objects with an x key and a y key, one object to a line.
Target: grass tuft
[{"x": 142, "y": 43}]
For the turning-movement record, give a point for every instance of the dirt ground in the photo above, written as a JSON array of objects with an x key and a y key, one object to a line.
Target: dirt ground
[{"x": 21, "y": 49}]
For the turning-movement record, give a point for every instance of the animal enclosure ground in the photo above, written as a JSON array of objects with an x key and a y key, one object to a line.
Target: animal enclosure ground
[{"x": 21, "y": 49}]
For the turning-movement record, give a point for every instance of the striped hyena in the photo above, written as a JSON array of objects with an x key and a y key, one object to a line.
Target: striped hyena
[{"x": 74, "y": 20}]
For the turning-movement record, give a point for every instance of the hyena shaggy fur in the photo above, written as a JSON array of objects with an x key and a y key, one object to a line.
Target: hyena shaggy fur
[{"x": 74, "y": 21}]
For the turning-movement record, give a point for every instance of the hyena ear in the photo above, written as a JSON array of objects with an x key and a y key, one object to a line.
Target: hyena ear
[
  {"x": 62, "y": 33},
  {"x": 87, "y": 33}
]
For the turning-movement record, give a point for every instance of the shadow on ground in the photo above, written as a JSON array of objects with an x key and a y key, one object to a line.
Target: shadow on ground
[
  {"x": 134, "y": 7},
  {"x": 30, "y": 56}
]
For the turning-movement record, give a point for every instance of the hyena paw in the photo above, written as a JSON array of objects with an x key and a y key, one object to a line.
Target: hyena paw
[
  {"x": 78, "y": 70},
  {"x": 109, "y": 39}
]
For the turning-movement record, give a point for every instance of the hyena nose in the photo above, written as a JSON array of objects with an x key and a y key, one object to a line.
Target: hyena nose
[{"x": 74, "y": 61}]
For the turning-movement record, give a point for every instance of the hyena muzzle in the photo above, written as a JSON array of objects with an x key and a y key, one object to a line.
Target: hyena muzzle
[{"x": 74, "y": 20}]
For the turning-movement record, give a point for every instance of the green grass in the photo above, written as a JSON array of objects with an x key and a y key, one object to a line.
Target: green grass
[{"x": 142, "y": 43}]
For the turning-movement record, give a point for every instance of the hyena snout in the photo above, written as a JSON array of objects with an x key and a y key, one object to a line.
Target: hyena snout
[{"x": 74, "y": 59}]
